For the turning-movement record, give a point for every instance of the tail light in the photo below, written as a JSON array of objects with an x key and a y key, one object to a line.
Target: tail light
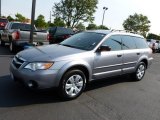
[
  {"x": 49, "y": 37},
  {"x": 2, "y": 24},
  {"x": 65, "y": 36},
  {"x": 16, "y": 35}
]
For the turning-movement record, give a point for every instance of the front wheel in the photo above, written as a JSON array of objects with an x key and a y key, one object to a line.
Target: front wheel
[
  {"x": 72, "y": 84},
  {"x": 140, "y": 72}
]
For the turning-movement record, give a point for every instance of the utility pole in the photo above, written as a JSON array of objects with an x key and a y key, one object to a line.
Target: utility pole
[
  {"x": 0, "y": 9},
  {"x": 104, "y": 8},
  {"x": 50, "y": 17},
  {"x": 32, "y": 20}
]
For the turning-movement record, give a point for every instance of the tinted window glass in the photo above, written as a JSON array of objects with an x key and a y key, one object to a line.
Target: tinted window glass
[
  {"x": 140, "y": 43},
  {"x": 4, "y": 20},
  {"x": 21, "y": 26},
  {"x": 114, "y": 42},
  {"x": 63, "y": 31},
  {"x": 52, "y": 30},
  {"x": 128, "y": 43},
  {"x": 84, "y": 40}
]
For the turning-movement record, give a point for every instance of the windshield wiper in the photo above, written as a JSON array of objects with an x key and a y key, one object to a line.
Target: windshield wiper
[
  {"x": 71, "y": 46},
  {"x": 67, "y": 45}
]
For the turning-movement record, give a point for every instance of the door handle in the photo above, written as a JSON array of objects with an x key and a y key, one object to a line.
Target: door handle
[
  {"x": 138, "y": 53},
  {"x": 119, "y": 55}
]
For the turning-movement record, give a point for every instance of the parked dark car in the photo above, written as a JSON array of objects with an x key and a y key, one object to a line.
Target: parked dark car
[
  {"x": 58, "y": 34},
  {"x": 3, "y": 22}
]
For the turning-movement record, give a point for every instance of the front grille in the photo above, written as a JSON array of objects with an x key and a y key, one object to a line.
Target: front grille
[{"x": 17, "y": 61}]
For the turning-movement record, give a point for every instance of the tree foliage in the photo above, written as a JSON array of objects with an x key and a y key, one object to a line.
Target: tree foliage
[
  {"x": 137, "y": 23},
  {"x": 153, "y": 36},
  {"x": 91, "y": 26},
  {"x": 80, "y": 27},
  {"x": 10, "y": 18},
  {"x": 95, "y": 27},
  {"x": 103, "y": 27},
  {"x": 59, "y": 22},
  {"x": 20, "y": 17},
  {"x": 75, "y": 11},
  {"x": 40, "y": 22}
]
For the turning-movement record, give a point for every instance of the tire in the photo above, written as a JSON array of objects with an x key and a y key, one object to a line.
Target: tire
[
  {"x": 2, "y": 43},
  {"x": 140, "y": 72},
  {"x": 12, "y": 47},
  {"x": 70, "y": 88}
]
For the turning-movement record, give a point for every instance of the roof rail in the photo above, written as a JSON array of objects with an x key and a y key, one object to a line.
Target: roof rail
[{"x": 113, "y": 30}]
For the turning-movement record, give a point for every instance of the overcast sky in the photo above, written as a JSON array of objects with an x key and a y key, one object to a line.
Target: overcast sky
[{"x": 118, "y": 11}]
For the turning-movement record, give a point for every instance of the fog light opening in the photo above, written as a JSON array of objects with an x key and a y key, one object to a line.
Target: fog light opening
[{"x": 32, "y": 84}]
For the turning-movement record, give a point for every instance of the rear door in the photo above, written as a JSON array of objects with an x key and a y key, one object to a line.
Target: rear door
[
  {"x": 131, "y": 53},
  {"x": 109, "y": 63}
]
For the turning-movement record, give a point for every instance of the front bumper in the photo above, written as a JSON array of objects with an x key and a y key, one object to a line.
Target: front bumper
[{"x": 42, "y": 79}]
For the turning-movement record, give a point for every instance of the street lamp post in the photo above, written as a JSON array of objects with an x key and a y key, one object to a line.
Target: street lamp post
[
  {"x": 104, "y": 8},
  {"x": 32, "y": 20}
]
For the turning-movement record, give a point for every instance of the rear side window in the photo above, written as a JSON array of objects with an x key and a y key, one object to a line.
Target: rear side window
[
  {"x": 64, "y": 31},
  {"x": 140, "y": 43},
  {"x": 128, "y": 43},
  {"x": 114, "y": 42}
]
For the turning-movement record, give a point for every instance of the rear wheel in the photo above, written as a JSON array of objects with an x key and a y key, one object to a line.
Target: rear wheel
[
  {"x": 72, "y": 84},
  {"x": 140, "y": 72}
]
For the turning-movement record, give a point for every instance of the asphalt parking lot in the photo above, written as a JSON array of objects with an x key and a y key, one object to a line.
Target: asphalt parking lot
[{"x": 111, "y": 99}]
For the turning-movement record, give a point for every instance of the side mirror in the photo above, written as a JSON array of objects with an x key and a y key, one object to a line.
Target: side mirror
[{"x": 104, "y": 48}]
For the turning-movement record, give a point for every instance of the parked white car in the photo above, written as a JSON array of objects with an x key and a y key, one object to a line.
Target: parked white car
[{"x": 154, "y": 45}]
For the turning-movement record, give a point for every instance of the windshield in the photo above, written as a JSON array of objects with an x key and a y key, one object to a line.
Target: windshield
[{"x": 84, "y": 40}]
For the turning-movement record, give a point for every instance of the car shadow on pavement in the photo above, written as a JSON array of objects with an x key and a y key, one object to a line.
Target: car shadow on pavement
[
  {"x": 13, "y": 94},
  {"x": 108, "y": 82},
  {"x": 5, "y": 51}
]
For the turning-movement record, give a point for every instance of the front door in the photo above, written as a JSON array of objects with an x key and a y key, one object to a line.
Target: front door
[{"x": 109, "y": 63}]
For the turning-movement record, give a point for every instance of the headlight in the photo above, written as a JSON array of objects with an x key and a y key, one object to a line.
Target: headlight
[{"x": 38, "y": 66}]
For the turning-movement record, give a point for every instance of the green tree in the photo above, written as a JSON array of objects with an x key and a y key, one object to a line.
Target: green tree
[
  {"x": 80, "y": 27},
  {"x": 103, "y": 27},
  {"x": 40, "y": 22},
  {"x": 137, "y": 23},
  {"x": 75, "y": 11},
  {"x": 59, "y": 22},
  {"x": 91, "y": 27},
  {"x": 20, "y": 18},
  {"x": 153, "y": 36},
  {"x": 10, "y": 18}
]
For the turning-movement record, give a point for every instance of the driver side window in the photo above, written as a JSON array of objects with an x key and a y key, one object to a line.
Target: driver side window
[{"x": 114, "y": 42}]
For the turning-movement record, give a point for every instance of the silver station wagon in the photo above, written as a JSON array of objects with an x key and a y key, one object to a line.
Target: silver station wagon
[{"x": 82, "y": 58}]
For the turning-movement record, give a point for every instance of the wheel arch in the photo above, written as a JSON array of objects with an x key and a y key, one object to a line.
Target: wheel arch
[{"x": 85, "y": 68}]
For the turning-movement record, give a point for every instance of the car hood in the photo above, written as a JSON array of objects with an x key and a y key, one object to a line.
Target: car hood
[{"x": 48, "y": 53}]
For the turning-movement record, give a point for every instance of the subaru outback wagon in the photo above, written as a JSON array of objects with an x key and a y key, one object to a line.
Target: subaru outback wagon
[{"x": 82, "y": 58}]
